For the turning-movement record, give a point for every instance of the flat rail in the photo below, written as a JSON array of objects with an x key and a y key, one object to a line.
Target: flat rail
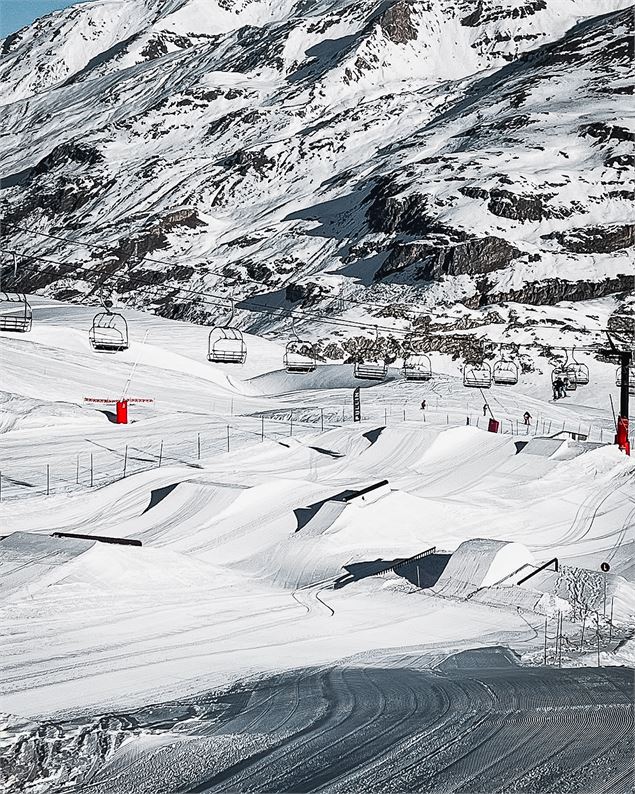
[{"x": 99, "y": 538}]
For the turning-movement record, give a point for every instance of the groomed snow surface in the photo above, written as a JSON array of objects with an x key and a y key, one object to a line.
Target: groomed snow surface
[{"x": 269, "y": 608}]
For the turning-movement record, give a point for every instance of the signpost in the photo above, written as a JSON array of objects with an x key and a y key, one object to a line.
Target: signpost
[{"x": 357, "y": 405}]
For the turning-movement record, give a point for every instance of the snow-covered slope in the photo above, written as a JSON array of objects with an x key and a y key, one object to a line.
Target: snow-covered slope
[{"x": 434, "y": 158}]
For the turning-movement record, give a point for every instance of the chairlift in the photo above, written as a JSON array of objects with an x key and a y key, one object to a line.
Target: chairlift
[
  {"x": 477, "y": 375},
  {"x": 631, "y": 378},
  {"x": 417, "y": 367},
  {"x": 577, "y": 373},
  {"x": 374, "y": 368},
  {"x": 416, "y": 364},
  {"x": 299, "y": 357},
  {"x": 370, "y": 370},
  {"x": 15, "y": 313},
  {"x": 109, "y": 332},
  {"x": 226, "y": 346},
  {"x": 505, "y": 371}
]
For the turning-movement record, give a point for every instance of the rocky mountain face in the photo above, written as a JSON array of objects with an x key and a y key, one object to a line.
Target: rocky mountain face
[{"x": 406, "y": 164}]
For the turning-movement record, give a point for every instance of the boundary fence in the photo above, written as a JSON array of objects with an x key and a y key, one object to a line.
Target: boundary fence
[{"x": 97, "y": 465}]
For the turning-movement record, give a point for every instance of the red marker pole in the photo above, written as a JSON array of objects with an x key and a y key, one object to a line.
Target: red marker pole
[
  {"x": 122, "y": 412},
  {"x": 621, "y": 437}
]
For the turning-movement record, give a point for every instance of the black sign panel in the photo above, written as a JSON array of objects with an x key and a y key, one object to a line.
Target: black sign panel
[{"x": 357, "y": 405}]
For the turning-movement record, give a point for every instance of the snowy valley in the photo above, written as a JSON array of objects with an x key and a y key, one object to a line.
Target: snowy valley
[{"x": 290, "y": 498}]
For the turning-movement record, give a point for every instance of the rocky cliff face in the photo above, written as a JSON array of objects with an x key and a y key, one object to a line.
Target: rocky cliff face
[{"x": 394, "y": 159}]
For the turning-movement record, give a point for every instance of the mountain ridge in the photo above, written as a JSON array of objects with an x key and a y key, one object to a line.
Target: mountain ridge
[{"x": 441, "y": 156}]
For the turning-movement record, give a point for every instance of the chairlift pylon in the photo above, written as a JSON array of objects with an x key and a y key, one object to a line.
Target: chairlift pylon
[
  {"x": 16, "y": 314},
  {"x": 631, "y": 378},
  {"x": 226, "y": 344},
  {"x": 109, "y": 331}
]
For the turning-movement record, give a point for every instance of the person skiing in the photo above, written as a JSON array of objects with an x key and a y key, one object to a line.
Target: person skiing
[
  {"x": 558, "y": 389},
  {"x": 423, "y": 405},
  {"x": 527, "y": 418},
  {"x": 485, "y": 407}
]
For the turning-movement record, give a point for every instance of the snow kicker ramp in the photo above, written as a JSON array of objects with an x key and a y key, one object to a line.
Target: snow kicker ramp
[
  {"x": 30, "y": 562},
  {"x": 482, "y": 563}
]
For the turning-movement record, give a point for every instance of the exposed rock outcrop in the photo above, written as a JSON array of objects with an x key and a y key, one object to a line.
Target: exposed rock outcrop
[
  {"x": 596, "y": 239},
  {"x": 472, "y": 257}
]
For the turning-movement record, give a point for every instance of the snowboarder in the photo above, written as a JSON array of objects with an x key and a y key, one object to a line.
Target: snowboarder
[
  {"x": 423, "y": 405},
  {"x": 527, "y": 418}
]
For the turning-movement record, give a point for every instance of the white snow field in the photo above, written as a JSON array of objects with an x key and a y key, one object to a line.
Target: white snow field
[{"x": 264, "y": 560}]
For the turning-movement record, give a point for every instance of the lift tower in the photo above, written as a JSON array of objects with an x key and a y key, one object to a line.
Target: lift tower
[{"x": 624, "y": 357}]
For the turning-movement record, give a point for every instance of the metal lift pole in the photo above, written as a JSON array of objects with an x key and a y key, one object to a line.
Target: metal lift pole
[{"x": 621, "y": 437}]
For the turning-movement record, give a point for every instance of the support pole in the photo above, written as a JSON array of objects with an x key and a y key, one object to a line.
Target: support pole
[
  {"x": 621, "y": 437},
  {"x": 322, "y": 419},
  {"x": 48, "y": 479},
  {"x": 582, "y": 635},
  {"x": 262, "y": 428},
  {"x": 198, "y": 446},
  {"x": 545, "y": 652},
  {"x": 125, "y": 461},
  {"x": 228, "y": 438},
  {"x": 160, "y": 454},
  {"x": 77, "y": 471}
]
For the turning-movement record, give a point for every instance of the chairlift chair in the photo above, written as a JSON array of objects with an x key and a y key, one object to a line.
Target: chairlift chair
[
  {"x": 477, "y": 375},
  {"x": 505, "y": 372},
  {"x": 417, "y": 367},
  {"x": 109, "y": 332},
  {"x": 577, "y": 372},
  {"x": 370, "y": 370},
  {"x": 15, "y": 313},
  {"x": 299, "y": 357},
  {"x": 226, "y": 346}
]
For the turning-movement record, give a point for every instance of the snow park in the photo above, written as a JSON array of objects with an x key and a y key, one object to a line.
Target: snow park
[{"x": 317, "y": 360}]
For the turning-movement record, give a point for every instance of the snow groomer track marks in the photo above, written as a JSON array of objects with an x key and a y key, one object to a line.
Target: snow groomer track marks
[{"x": 466, "y": 729}]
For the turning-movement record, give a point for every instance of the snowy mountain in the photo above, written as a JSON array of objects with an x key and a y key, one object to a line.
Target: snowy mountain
[{"x": 396, "y": 163}]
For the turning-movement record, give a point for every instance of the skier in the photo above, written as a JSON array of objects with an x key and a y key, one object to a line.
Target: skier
[
  {"x": 423, "y": 405},
  {"x": 527, "y": 417},
  {"x": 485, "y": 407},
  {"x": 557, "y": 389}
]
